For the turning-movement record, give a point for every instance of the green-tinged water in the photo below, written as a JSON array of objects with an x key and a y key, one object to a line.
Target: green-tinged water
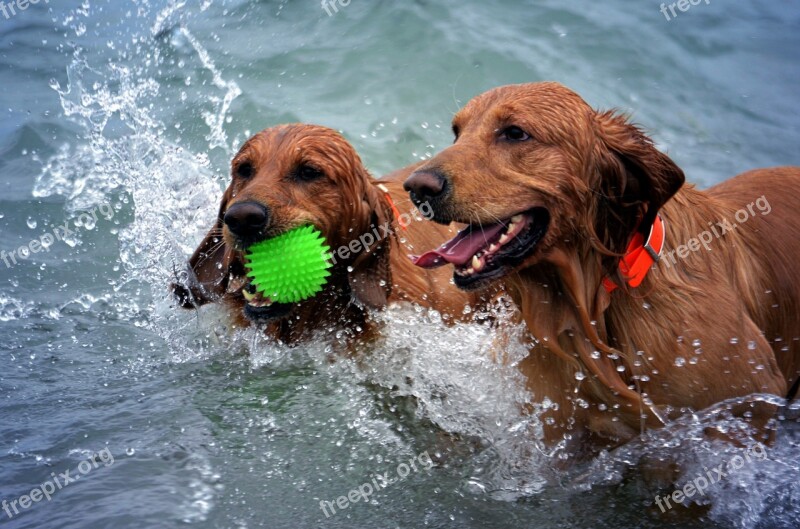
[{"x": 120, "y": 118}]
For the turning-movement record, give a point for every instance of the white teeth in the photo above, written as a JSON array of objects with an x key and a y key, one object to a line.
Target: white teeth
[
  {"x": 516, "y": 218},
  {"x": 470, "y": 271},
  {"x": 476, "y": 263},
  {"x": 504, "y": 238},
  {"x": 247, "y": 295},
  {"x": 494, "y": 247}
]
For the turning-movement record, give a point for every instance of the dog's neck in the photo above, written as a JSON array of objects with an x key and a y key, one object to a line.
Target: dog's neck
[
  {"x": 581, "y": 328},
  {"x": 563, "y": 304}
]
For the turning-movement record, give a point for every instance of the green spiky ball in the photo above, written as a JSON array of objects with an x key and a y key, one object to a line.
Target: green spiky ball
[{"x": 290, "y": 267}]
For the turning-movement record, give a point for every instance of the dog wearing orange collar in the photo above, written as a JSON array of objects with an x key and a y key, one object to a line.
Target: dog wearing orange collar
[{"x": 570, "y": 209}]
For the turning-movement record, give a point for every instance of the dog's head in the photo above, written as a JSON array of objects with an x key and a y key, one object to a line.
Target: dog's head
[
  {"x": 534, "y": 167},
  {"x": 282, "y": 178}
]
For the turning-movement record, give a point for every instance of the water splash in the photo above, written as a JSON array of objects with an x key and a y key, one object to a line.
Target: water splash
[{"x": 126, "y": 156}]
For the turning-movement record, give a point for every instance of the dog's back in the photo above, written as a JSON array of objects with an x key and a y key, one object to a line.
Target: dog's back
[{"x": 772, "y": 225}]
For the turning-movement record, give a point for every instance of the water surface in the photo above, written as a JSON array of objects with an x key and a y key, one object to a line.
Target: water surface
[{"x": 134, "y": 108}]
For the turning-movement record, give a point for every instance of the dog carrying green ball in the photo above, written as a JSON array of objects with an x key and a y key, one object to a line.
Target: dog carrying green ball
[{"x": 291, "y": 267}]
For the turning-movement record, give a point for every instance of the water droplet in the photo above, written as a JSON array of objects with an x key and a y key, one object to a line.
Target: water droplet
[
  {"x": 579, "y": 375},
  {"x": 734, "y": 341},
  {"x": 130, "y": 451},
  {"x": 680, "y": 361},
  {"x": 32, "y": 223},
  {"x": 751, "y": 345}
]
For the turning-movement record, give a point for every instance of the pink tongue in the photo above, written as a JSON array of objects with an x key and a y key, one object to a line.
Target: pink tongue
[{"x": 460, "y": 249}]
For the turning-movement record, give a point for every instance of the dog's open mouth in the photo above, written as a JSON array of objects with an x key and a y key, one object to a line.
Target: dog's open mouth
[
  {"x": 482, "y": 253},
  {"x": 257, "y": 308}
]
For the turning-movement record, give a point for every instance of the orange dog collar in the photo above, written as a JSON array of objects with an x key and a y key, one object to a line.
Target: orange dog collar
[
  {"x": 403, "y": 224},
  {"x": 640, "y": 256}
]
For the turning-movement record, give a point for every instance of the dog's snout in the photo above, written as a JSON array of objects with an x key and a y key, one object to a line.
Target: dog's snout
[
  {"x": 425, "y": 185},
  {"x": 246, "y": 219}
]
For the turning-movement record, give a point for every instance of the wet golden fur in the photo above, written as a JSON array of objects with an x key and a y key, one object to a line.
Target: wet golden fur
[
  {"x": 730, "y": 313},
  {"x": 343, "y": 204}
]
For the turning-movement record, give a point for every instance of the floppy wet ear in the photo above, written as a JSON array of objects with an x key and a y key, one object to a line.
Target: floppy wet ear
[
  {"x": 206, "y": 276},
  {"x": 371, "y": 278},
  {"x": 635, "y": 179}
]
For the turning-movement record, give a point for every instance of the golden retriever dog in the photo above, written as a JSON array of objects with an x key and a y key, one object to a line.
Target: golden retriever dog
[
  {"x": 295, "y": 175},
  {"x": 647, "y": 298}
]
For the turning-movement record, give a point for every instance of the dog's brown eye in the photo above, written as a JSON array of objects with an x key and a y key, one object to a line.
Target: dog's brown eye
[
  {"x": 514, "y": 133},
  {"x": 308, "y": 173},
  {"x": 456, "y": 132},
  {"x": 244, "y": 170}
]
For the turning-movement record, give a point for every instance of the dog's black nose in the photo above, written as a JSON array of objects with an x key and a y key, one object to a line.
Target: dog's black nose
[
  {"x": 425, "y": 185},
  {"x": 246, "y": 219}
]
